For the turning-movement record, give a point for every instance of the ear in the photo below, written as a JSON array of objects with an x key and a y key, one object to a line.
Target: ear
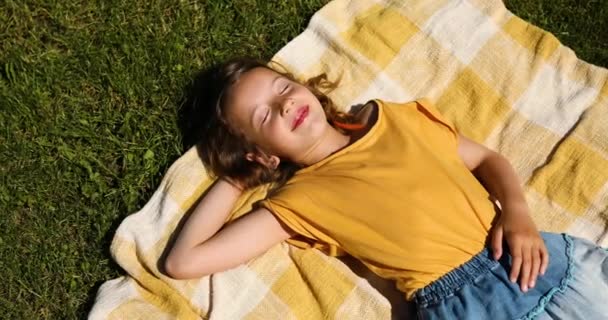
[{"x": 271, "y": 162}]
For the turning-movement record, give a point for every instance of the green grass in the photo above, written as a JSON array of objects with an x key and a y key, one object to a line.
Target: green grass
[
  {"x": 578, "y": 24},
  {"x": 89, "y": 93}
]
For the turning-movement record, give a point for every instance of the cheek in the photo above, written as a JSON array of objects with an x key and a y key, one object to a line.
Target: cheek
[
  {"x": 312, "y": 98},
  {"x": 316, "y": 130},
  {"x": 273, "y": 137}
]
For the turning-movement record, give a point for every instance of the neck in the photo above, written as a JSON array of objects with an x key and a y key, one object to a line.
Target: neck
[{"x": 331, "y": 142}]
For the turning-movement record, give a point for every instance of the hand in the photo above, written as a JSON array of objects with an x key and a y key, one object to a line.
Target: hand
[{"x": 528, "y": 251}]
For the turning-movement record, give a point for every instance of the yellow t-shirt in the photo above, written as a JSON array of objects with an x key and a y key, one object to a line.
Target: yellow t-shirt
[{"x": 399, "y": 199}]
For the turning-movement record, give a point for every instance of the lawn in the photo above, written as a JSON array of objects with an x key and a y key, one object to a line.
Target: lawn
[{"x": 89, "y": 97}]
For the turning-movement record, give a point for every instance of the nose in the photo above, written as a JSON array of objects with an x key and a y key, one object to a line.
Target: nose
[{"x": 287, "y": 107}]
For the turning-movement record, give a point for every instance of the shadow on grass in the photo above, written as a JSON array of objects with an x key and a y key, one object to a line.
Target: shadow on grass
[{"x": 198, "y": 105}]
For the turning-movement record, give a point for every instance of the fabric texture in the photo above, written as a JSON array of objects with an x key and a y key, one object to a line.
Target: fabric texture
[
  {"x": 585, "y": 293},
  {"x": 472, "y": 290},
  {"x": 412, "y": 210},
  {"x": 500, "y": 80},
  {"x": 574, "y": 286}
]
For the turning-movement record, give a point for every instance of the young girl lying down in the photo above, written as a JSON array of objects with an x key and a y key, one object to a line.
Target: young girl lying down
[{"x": 395, "y": 186}]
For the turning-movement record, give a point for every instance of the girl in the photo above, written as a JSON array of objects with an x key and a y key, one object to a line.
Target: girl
[{"x": 394, "y": 185}]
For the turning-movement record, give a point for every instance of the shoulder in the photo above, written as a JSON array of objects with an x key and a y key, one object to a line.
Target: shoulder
[{"x": 408, "y": 108}]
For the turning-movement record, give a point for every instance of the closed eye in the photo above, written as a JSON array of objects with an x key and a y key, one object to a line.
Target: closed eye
[
  {"x": 266, "y": 116},
  {"x": 284, "y": 89}
]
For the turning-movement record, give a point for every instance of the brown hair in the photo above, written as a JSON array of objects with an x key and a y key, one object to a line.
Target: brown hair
[{"x": 223, "y": 149}]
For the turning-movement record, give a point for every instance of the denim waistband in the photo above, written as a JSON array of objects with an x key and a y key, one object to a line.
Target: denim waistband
[{"x": 447, "y": 284}]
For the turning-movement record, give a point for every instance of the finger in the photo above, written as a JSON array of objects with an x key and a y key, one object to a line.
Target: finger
[
  {"x": 497, "y": 243},
  {"x": 515, "y": 263},
  {"x": 545, "y": 260},
  {"x": 526, "y": 266},
  {"x": 536, "y": 260}
]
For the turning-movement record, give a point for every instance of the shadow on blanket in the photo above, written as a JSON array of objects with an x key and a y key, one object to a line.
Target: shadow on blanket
[{"x": 401, "y": 309}]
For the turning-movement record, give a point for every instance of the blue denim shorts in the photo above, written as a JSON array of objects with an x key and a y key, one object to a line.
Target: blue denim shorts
[{"x": 574, "y": 286}]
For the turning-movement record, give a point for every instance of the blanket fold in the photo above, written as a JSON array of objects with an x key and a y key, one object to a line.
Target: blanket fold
[{"x": 502, "y": 81}]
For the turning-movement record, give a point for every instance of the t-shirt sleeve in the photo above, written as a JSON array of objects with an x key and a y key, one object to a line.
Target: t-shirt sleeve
[
  {"x": 288, "y": 209},
  {"x": 430, "y": 111},
  {"x": 287, "y": 216}
]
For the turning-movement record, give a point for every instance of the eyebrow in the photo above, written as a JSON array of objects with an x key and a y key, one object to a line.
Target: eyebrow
[{"x": 272, "y": 84}]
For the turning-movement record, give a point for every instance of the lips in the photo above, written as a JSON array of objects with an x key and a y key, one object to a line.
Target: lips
[{"x": 301, "y": 114}]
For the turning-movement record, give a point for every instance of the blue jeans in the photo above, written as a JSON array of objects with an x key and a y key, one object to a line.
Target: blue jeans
[{"x": 574, "y": 286}]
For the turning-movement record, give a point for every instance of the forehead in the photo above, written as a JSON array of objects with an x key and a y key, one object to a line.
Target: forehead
[
  {"x": 250, "y": 83},
  {"x": 251, "y": 88}
]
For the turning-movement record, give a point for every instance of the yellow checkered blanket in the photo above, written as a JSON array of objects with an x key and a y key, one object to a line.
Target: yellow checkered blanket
[{"x": 502, "y": 81}]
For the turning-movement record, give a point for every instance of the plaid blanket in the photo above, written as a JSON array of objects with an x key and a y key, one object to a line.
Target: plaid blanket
[{"x": 502, "y": 81}]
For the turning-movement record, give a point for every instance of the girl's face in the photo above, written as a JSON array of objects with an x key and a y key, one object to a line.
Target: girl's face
[{"x": 282, "y": 117}]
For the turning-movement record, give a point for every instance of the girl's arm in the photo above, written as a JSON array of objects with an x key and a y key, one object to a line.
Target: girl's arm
[
  {"x": 201, "y": 250},
  {"x": 528, "y": 251}
]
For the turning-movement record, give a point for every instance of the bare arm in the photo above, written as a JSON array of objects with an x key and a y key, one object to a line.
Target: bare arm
[
  {"x": 201, "y": 250},
  {"x": 494, "y": 170},
  {"x": 527, "y": 247}
]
